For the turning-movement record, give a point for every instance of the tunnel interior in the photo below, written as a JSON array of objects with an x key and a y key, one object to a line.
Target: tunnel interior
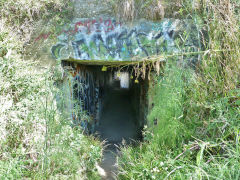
[{"x": 108, "y": 102}]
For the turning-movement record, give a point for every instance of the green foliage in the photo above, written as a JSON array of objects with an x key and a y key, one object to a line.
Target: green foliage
[
  {"x": 166, "y": 117},
  {"x": 24, "y": 18},
  {"x": 197, "y": 113},
  {"x": 19, "y": 12},
  {"x": 37, "y": 140},
  {"x": 194, "y": 126}
]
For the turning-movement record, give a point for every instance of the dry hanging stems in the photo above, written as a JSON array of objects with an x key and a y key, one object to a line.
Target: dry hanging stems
[{"x": 155, "y": 63}]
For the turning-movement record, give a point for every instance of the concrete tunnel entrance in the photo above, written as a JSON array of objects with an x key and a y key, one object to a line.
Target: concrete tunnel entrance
[
  {"x": 120, "y": 113},
  {"x": 114, "y": 104}
]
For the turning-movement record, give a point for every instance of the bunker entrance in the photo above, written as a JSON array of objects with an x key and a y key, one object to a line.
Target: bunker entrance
[{"x": 108, "y": 102}]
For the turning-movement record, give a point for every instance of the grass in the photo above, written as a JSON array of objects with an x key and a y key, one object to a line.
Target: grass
[
  {"x": 167, "y": 113},
  {"x": 37, "y": 139},
  {"x": 129, "y": 10},
  {"x": 193, "y": 130},
  {"x": 194, "y": 125}
]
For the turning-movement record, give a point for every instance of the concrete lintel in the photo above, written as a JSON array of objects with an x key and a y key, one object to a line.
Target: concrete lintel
[{"x": 108, "y": 63}]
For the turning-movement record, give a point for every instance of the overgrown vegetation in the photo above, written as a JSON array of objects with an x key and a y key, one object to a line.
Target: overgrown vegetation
[
  {"x": 149, "y": 9},
  {"x": 37, "y": 140},
  {"x": 194, "y": 126},
  {"x": 22, "y": 17}
]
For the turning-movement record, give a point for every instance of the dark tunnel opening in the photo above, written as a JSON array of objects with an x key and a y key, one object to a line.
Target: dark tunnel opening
[
  {"x": 114, "y": 101},
  {"x": 120, "y": 113}
]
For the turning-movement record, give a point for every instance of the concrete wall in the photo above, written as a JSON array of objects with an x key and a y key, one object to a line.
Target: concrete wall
[
  {"x": 95, "y": 34},
  {"x": 91, "y": 8},
  {"x": 108, "y": 39}
]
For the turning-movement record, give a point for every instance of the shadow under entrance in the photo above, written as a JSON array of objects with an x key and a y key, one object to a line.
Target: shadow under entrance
[
  {"x": 119, "y": 117},
  {"x": 108, "y": 103}
]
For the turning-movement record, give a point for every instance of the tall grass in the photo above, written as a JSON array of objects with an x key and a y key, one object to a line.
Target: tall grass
[
  {"x": 166, "y": 116},
  {"x": 195, "y": 124},
  {"x": 130, "y": 10},
  {"x": 37, "y": 140}
]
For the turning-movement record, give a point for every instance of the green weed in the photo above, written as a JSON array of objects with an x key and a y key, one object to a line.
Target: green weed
[
  {"x": 37, "y": 140},
  {"x": 194, "y": 124}
]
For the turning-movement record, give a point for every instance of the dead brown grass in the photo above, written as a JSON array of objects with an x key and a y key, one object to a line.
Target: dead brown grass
[{"x": 148, "y": 9}]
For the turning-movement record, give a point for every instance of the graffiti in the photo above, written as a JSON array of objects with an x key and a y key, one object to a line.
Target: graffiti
[
  {"x": 110, "y": 40},
  {"x": 95, "y": 26},
  {"x": 85, "y": 94},
  {"x": 43, "y": 36},
  {"x": 91, "y": 25}
]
